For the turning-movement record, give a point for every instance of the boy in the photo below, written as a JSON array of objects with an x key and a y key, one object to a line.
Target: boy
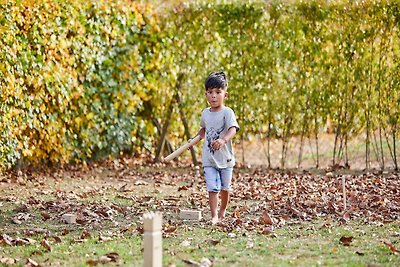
[{"x": 218, "y": 126}]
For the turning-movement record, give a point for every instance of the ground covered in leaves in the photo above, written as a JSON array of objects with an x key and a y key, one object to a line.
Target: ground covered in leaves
[{"x": 285, "y": 218}]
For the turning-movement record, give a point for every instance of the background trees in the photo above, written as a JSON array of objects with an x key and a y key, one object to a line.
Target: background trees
[{"x": 81, "y": 80}]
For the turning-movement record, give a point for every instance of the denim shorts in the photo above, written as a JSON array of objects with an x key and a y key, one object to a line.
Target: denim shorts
[{"x": 218, "y": 179}]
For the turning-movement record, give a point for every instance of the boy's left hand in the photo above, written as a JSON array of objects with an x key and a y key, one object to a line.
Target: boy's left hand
[{"x": 217, "y": 144}]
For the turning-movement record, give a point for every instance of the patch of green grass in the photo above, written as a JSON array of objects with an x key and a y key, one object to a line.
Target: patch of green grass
[
  {"x": 73, "y": 252},
  {"x": 307, "y": 244},
  {"x": 302, "y": 245}
]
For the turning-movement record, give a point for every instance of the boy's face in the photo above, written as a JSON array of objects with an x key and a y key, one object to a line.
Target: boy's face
[{"x": 215, "y": 97}]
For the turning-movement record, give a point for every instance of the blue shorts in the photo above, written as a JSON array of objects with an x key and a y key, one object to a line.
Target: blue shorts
[{"x": 218, "y": 179}]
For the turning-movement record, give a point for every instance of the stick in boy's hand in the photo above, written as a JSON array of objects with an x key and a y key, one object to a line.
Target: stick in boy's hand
[{"x": 177, "y": 152}]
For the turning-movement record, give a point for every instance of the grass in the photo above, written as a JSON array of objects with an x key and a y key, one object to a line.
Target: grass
[
  {"x": 307, "y": 248},
  {"x": 306, "y": 244}
]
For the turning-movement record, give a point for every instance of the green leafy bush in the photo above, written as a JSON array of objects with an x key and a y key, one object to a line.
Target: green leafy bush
[{"x": 82, "y": 80}]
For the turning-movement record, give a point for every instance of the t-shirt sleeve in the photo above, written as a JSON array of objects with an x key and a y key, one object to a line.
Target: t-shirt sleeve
[
  {"x": 231, "y": 121},
  {"x": 202, "y": 121}
]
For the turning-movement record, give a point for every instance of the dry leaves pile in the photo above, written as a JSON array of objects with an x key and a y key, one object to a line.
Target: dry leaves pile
[
  {"x": 261, "y": 200},
  {"x": 293, "y": 197}
]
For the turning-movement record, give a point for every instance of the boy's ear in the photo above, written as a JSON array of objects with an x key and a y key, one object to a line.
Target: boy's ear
[{"x": 226, "y": 95}]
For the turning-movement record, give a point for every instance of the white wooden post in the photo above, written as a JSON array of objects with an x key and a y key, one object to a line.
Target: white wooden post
[{"x": 152, "y": 225}]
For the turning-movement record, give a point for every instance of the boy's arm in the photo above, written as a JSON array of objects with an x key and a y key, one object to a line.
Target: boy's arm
[
  {"x": 217, "y": 144},
  {"x": 200, "y": 133},
  {"x": 229, "y": 135}
]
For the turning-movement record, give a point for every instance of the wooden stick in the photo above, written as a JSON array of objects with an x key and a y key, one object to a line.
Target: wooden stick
[{"x": 177, "y": 152}]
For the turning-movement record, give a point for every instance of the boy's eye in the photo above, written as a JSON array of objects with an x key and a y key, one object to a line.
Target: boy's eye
[{"x": 214, "y": 92}]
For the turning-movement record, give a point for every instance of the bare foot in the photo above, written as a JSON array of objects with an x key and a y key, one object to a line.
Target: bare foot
[{"x": 214, "y": 220}]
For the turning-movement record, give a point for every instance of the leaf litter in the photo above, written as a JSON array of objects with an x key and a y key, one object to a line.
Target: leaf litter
[{"x": 262, "y": 201}]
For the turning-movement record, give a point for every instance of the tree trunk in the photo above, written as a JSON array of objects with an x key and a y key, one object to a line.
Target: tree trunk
[
  {"x": 266, "y": 153},
  {"x": 337, "y": 135},
  {"x": 377, "y": 147},
  {"x": 367, "y": 144},
  {"x": 303, "y": 132},
  {"x": 316, "y": 141},
  {"x": 170, "y": 149},
  {"x": 269, "y": 144},
  {"x": 184, "y": 121},
  {"x": 346, "y": 155},
  {"x": 285, "y": 140},
  {"x": 164, "y": 131},
  {"x": 396, "y": 167},
  {"x": 381, "y": 147}
]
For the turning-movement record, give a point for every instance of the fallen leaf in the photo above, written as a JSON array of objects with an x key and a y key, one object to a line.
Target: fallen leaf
[
  {"x": 16, "y": 221},
  {"x": 231, "y": 235},
  {"x": 109, "y": 257},
  {"x": 85, "y": 234},
  {"x": 347, "y": 214},
  {"x": 267, "y": 231},
  {"x": 31, "y": 263},
  {"x": 125, "y": 188},
  {"x": 184, "y": 187},
  {"x": 113, "y": 256},
  {"x": 206, "y": 262},
  {"x": 7, "y": 261},
  {"x": 104, "y": 259},
  {"x": 6, "y": 239},
  {"x": 213, "y": 242},
  {"x": 36, "y": 252},
  {"x": 236, "y": 214},
  {"x": 249, "y": 244},
  {"x": 45, "y": 215},
  {"x": 92, "y": 262},
  {"x": 23, "y": 241},
  {"x": 391, "y": 247},
  {"x": 345, "y": 240},
  {"x": 185, "y": 243},
  {"x": 104, "y": 238},
  {"x": 57, "y": 239},
  {"x": 46, "y": 245},
  {"x": 140, "y": 182},
  {"x": 169, "y": 229},
  {"x": 64, "y": 232},
  {"x": 266, "y": 219},
  {"x": 191, "y": 262}
]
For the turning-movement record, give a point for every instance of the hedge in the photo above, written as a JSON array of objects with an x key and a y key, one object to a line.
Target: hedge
[{"x": 84, "y": 80}]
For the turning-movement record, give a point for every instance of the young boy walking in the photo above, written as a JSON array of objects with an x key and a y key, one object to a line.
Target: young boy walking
[{"x": 218, "y": 126}]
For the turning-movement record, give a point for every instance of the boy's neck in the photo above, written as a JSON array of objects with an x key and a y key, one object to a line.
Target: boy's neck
[{"x": 216, "y": 109}]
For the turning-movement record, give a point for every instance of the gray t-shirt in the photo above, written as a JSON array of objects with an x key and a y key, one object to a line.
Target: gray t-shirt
[{"x": 216, "y": 126}]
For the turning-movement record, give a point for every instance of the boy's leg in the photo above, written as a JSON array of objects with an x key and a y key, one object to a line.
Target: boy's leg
[
  {"x": 226, "y": 178},
  {"x": 224, "y": 203},
  {"x": 213, "y": 200},
  {"x": 213, "y": 183}
]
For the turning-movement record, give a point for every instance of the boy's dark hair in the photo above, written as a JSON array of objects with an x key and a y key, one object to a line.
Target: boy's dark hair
[{"x": 216, "y": 80}]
